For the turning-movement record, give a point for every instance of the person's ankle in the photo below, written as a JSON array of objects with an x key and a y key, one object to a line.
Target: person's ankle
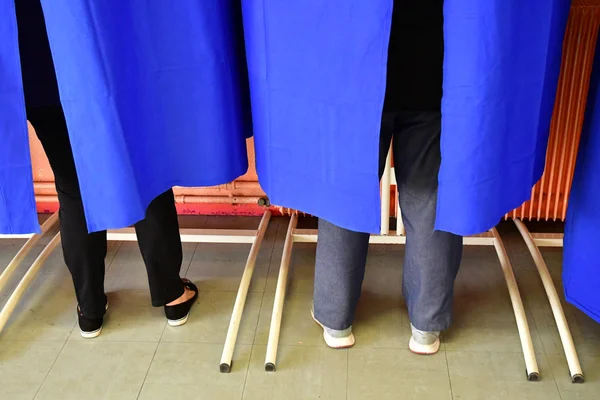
[{"x": 187, "y": 294}]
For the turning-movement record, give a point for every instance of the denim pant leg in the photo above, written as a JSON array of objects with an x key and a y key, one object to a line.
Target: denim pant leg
[
  {"x": 342, "y": 258},
  {"x": 339, "y": 273},
  {"x": 432, "y": 258}
]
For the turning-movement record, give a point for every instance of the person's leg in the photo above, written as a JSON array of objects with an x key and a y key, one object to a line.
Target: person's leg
[
  {"x": 340, "y": 267},
  {"x": 339, "y": 273},
  {"x": 432, "y": 257},
  {"x": 84, "y": 253},
  {"x": 160, "y": 245}
]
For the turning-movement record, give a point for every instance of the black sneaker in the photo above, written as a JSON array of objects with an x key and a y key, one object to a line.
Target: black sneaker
[
  {"x": 177, "y": 315},
  {"x": 90, "y": 327}
]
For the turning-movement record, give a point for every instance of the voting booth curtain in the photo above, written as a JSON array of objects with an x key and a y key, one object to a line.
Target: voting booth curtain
[
  {"x": 155, "y": 95},
  {"x": 317, "y": 74}
]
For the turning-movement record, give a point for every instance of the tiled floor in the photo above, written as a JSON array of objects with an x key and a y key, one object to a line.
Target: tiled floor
[{"x": 138, "y": 356}]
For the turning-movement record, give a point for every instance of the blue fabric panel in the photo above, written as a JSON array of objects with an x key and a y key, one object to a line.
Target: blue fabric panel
[
  {"x": 317, "y": 76},
  {"x": 581, "y": 265},
  {"x": 17, "y": 201},
  {"x": 501, "y": 69},
  {"x": 153, "y": 95}
]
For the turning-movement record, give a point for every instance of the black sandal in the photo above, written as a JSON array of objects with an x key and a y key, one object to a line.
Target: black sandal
[{"x": 178, "y": 314}]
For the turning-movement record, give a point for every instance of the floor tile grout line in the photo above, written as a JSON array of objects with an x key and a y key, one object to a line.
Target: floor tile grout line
[
  {"x": 449, "y": 376},
  {"x": 148, "y": 370},
  {"x": 50, "y": 369},
  {"x": 187, "y": 270},
  {"x": 347, "y": 371},
  {"x": 252, "y": 348},
  {"x": 551, "y": 370},
  {"x": 112, "y": 261}
]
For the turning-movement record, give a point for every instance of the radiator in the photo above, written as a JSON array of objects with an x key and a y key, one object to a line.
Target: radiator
[{"x": 550, "y": 195}]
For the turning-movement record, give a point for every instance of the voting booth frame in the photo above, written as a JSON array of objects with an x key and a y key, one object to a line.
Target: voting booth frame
[
  {"x": 491, "y": 238},
  {"x": 294, "y": 235}
]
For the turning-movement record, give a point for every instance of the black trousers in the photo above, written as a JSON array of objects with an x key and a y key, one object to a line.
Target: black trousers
[{"x": 84, "y": 253}]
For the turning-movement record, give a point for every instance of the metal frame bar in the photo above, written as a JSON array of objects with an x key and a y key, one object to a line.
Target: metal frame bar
[
  {"x": 27, "y": 247},
  {"x": 531, "y": 366},
  {"x": 274, "y": 330},
  {"x": 33, "y": 270},
  {"x": 242, "y": 294},
  {"x": 31, "y": 273},
  {"x": 491, "y": 238},
  {"x": 534, "y": 241}
]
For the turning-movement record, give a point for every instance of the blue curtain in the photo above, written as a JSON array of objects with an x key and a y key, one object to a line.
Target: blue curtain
[
  {"x": 501, "y": 69},
  {"x": 317, "y": 75},
  {"x": 581, "y": 270},
  {"x": 17, "y": 202},
  {"x": 154, "y": 97}
]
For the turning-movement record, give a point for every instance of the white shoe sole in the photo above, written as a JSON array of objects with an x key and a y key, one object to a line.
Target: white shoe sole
[
  {"x": 424, "y": 349},
  {"x": 94, "y": 334},
  {"x": 178, "y": 322},
  {"x": 91, "y": 335},
  {"x": 333, "y": 342}
]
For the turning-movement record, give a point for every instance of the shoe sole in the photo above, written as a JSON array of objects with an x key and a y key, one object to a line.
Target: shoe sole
[
  {"x": 94, "y": 334},
  {"x": 424, "y": 349},
  {"x": 91, "y": 335},
  {"x": 178, "y": 322},
  {"x": 335, "y": 343}
]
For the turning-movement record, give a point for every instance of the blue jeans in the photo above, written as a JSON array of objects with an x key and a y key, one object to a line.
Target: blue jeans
[{"x": 432, "y": 258}]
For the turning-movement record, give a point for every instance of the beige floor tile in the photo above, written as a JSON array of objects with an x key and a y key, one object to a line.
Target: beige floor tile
[
  {"x": 127, "y": 270},
  {"x": 590, "y": 390},
  {"x": 17, "y": 243},
  {"x": 585, "y": 331},
  {"x": 47, "y": 310},
  {"x": 303, "y": 373},
  {"x": 234, "y": 252},
  {"x": 396, "y": 374},
  {"x": 53, "y": 272},
  {"x": 98, "y": 370},
  {"x": 483, "y": 312},
  {"x": 8, "y": 251},
  {"x": 297, "y": 325},
  {"x": 383, "y": 275},
  {"x": 218, "y": 266},
  {"x": 191, "y": 371},
  {"x": 225, "y": 275},
  {"x": 210, "y": 316},
  {"x": 130, "y": 318},
  {"x": 24, "y": 366},
  {"x": 381, "y": 321},
  {"x": 45, "y": 314},
  {"x": 482, "y": 375},
  {"x": 301, "y": 274}
]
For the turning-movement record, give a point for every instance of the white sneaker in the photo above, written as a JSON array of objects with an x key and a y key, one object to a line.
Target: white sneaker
[
  {"x": 424, "y": 343},
  {"x": 334, "y": 338}
]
